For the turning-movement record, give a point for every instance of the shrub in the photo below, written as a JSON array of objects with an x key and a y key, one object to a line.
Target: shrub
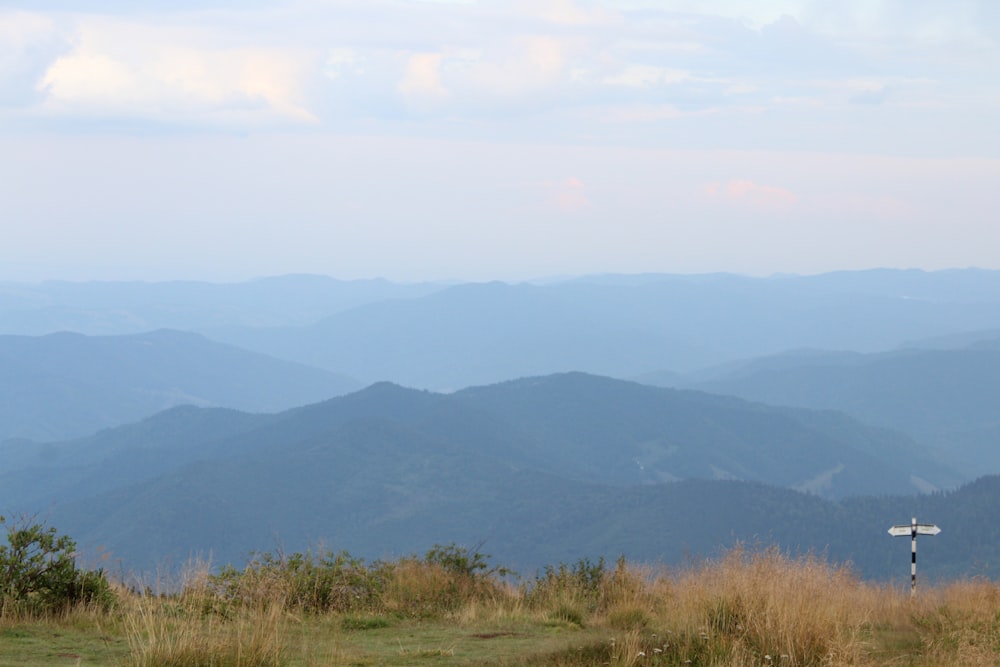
[
  {"x": 574, "y": 585},
  {"x": 447, "y": 578},
  {"x": 310, "y": 582},
  {"x": 459, "y": 561},
  {"x": 38, "y": 572}
]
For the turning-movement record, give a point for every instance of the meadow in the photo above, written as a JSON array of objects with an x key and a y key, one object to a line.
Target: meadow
[{"x": 750, "y": 607}]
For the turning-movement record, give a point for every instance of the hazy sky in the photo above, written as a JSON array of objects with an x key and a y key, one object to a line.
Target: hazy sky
[{"x": 226, "y": 139}]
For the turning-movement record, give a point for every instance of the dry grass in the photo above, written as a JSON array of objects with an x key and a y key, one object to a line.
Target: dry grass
[
  {"x": 748, "y": 608},
  {"x": 191, "y": 629},
  {"x": 163, "y": 637},
  {"x": 960, "y": 623},
  {"x": 757, "y": 604}
]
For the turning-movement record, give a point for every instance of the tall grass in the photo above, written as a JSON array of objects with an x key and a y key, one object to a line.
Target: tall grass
[
  {"x": 960, "y": 622},
  {"x": 750, "y": 607},
  {"x": 197, "y": 627},
  {"x": 186, "y": 630},
  {"x": 799, "y": 611}
]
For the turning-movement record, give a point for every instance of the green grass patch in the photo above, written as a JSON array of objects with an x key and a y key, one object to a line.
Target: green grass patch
[
  {"x": 364, "y": 622},
  {"x": 38, "y": 643}
]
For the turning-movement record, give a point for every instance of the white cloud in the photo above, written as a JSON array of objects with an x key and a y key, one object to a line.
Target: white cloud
[
  {"x": 421, "y": 84},
  {"x": 568, "y": 195},
  {"x": 87, "y": 78},
  {"x": 19, "y": 31},
  {"x": 28, "y": 42},
  {"x": 341, "y": 62},
  {"x": 524, "y": 65},
  {"x": 126, "y": 69},
  {"x": 540, "y": 68}
]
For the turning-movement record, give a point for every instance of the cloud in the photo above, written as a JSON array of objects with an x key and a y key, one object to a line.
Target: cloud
[
  {"x": 745, "y": 191},
  {"x": 28, "y": 44},
  {"x": 342, "y": 62},
  {"x": 567, "y": 195},
  {"x": 524, "y": 65},
  {"x": 422, "y": 84},
  {"x": 522, "y": 70},
  {"x": 125, "y": 69},
  {"x": 527, "y": 70}
]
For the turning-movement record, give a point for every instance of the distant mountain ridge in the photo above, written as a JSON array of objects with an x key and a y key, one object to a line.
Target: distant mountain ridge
[
  {"x": 623, "y": 326},
  {"x": 447, "y": 337},
  {"x": 119, "y": 308},
  {"x": 67, "y": 385},
  {"x": 943, "y": 398}
]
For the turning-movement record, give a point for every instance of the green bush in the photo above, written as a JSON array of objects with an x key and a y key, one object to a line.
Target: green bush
[
  {"x": 459, "y": 561},
  {"x": 38, "y": 572},
  {"x": 575, "y": 585},
  {"x": 310, "y": 582}
]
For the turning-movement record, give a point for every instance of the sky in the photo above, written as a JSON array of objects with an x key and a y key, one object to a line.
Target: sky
[{"x": 487, "y": 139}]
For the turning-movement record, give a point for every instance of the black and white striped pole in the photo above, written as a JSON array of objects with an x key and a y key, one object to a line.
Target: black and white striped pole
[{"x": 913, "y": 530}]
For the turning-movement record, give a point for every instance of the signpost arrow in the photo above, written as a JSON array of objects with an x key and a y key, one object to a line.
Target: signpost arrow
[
  {"x": 913, "y": 530},
  {"x": 922, "y": 529}
]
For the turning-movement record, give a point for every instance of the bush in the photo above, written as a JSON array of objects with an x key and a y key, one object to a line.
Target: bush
[
  {"x": 577, "y": 585},
  {"x": 38, "y": 572},
  {"x": 310, "y": 582},
  {"x": 459, "y": 561}
]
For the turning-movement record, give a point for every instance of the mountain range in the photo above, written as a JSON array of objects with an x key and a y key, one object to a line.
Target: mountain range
[
  {"x": 946, "y": 399},
  {"x": 447, "y": 337},
  {"x": 66, "y": 385},
  {"x": 548, "y": 464},
  {"x": 117, "y": 308},
  {"x": 809, "y": 412}
]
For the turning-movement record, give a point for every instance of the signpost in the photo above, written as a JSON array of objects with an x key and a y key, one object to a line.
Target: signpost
[{"x": 913, "y": 530}]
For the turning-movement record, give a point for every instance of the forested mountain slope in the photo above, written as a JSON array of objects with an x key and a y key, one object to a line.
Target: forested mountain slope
[
  {"x": 543, "y": 467},
  {"x": 948, "y": 399}
]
